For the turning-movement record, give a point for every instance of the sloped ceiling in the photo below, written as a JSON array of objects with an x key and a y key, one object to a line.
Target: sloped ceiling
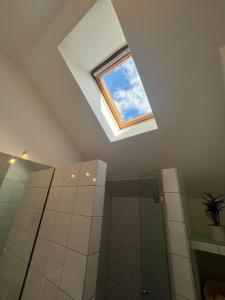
[
  {"x": 23, "y": 22},
  {"x": 175, "y": 44}
]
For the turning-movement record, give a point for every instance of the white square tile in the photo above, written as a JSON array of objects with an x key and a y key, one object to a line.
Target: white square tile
[
  {"x": 73, "y": 275},
  {"x": 92, "y": 173},
  {"x": 54, "y": 198},
  {"x": 31, "y": 180},
  {"x": 3, "y": 237},
  {"x": 182, "y": 276},
  {"x": 25, "y": 244},
  {"x": 11, "y": 210},
  {"x": 40, "y": 178},
  {"x": 12, "y": 240},
  {"x": 40, "y": 254},
  {"x": 4, "y": 261},
  {"x": 47, "y": 291},
  {"x": 6, "y": 223},
  {"x": 177, "y": 238},
  {"x": 222, "y": 250},
  {"x": 84, "y": 202},
  {"x": 91, "y": 277},
  {"x": 40, "y": 197},
  {"x": 61, "y": 228},
  {"x": 117, "y": 234},
  {"x": 43, "y": 177},
  {"x": 170, "y": 181},
  {"x": 26, "y": 199},
  {"x": 32, "y": 286},
  {"x": 5, "y": 293},
  {"x": 47, "y": 224},
  {"x": 20, "y": 185},
  {"x": 32, "y": 219},
  {"x": 67, "y": 200},
  {"x": 72, "y": 175},
  {"x": 3, "y": 207},
  {"x": 17, "y": 197},
  {"x": 117, "y": 204},
  {"x": 20, "y": 243},
  {"x": 180, "y": 297},
  {"x": 112, "y": 290},
  {"x": 15, "y": 273},
  {"x": 6, "y": 195},
  {"x": 95, "y": 236},
  {"x": 114, "y": 270},
  {"x": 59, "y": 176},
  {"x": 54, "y": 263},
  {"x": 8, "y": 183},
  {"x": 79, "y": 235},
  {"x": 89, "y": 201},
  {"x": 99, "y": 201},
  {"x": 62, "y": 296},
  {"x": 174, "y": 211}
]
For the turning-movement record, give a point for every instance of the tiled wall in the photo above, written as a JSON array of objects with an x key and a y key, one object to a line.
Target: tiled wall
[
  {"x": 24, "y": 213},
  {"x": 136, "y": 256},
  {"x": 180, "y": 258},
  {"x": 11, "y": 192},
  {"x": 124, "y": 264},
  {"x": 65, "y": 260},
  {"x": 104, "y": 250}
]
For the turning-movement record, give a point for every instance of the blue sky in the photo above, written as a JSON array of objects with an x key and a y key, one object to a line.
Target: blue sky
[{"x": 127, "y": 91}]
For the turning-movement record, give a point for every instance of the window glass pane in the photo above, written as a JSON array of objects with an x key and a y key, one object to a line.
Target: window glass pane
[{"x": 126, "y": 89}]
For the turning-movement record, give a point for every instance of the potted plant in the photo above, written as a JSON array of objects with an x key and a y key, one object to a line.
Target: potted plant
[{"x": 213, "y": 206}]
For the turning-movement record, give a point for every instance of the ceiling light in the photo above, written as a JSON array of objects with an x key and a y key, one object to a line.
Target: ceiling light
[
  {"x": 12, "y": 161},
  {"x": 25, "y": 155},
  {"x": 88, "y": 174}
]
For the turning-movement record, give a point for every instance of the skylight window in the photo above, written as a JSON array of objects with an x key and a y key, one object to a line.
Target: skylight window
[{"x": 121, "y": 86}]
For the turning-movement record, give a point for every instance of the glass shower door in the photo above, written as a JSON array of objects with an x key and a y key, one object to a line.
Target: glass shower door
[
  {"x": 154, "y": 264},
  {"x": 133, "y": 264}
]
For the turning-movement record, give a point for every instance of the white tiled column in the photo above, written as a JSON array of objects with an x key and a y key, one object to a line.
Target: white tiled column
[
  {"x": 178, "y": 243},
  {"x": 65, "y": 260}
]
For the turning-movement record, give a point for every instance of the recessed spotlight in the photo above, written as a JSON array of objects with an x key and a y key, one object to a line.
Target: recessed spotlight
[{"x": 72, "y": 176}]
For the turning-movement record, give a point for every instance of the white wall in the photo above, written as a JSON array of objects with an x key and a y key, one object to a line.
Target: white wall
[
  {"x": 26, "y": 123},
  {"x": 198, "y": 220}
]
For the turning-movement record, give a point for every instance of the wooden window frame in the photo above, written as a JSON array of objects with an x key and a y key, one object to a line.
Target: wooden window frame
[{"x": 104, "y": 68}]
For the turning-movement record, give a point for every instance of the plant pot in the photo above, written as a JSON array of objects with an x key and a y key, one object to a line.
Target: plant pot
[{"x": 217, "y": 233}]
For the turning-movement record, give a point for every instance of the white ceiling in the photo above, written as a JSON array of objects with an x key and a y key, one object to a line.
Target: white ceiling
[{"x": 175, "y": 44}]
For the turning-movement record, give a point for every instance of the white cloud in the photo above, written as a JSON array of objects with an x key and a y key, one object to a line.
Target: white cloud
[{"x": 135, "y": 97}]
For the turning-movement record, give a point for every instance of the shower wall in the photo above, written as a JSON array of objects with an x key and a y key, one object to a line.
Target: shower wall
[
  {"x": 65, "y": 259},
  {"x": 124, "y": 262},
  {"x": 23, "y": 198},
  {"x": 133, "y": 252}
]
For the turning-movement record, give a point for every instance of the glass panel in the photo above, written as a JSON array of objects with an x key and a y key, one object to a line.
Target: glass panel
[
  {"x": 133, "y": 262},
  {"x": 126, "y": 89},
  {"x": 155, "y": 276},
  {"x": 23, "y": 190}
]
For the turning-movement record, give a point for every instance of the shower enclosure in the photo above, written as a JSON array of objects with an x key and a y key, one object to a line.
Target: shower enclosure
[{"x": 133, "y": 261}]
